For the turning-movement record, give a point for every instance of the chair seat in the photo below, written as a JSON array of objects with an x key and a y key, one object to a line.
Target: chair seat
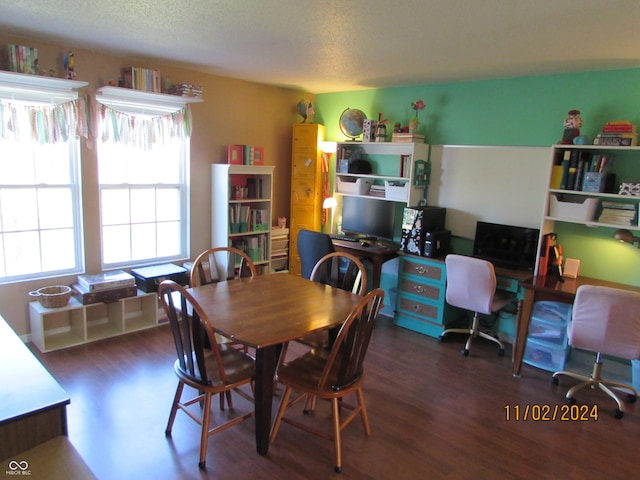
[
  {"x": 304, "y": 374},
  {"x": 501, "y": 299},
  {"x": 237, "y": 366}
]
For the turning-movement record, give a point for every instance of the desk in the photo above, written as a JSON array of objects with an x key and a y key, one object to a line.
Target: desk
[
  {"x": 265, "y": 311},
  {"x": 33, "y": 405},
  {"x": 549, "y": 288},
  {"x": 377, "y": 254}
]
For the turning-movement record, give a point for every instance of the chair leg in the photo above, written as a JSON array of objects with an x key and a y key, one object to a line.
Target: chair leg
[
  {"x": 280, "y": 414},
  {"x": 204, "y": 436},
  {"x": 335, "y": 410},
  {"x": 363, "y": 412},
  {"x": 174, "y": 408}
]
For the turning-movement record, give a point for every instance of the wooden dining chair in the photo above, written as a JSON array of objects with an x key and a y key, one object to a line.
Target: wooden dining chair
[
  {"x": 332, "y": 375},
  {"x": 339, "y": 270},
  {"x": 219, "y": 264},
  {"x": 218, "y": 370}
]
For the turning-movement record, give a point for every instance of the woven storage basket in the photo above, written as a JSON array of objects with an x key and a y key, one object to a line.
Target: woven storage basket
[{"x": 53, "y": 296}]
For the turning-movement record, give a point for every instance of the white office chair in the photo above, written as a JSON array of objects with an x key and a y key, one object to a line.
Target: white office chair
[
  {"x": 471, "y": 285},
  {"x": 606, "y": 321}
]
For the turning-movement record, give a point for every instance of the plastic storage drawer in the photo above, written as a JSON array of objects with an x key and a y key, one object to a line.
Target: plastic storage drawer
[
  {"x": 552, "y": 311},
  {"x": 544, "y": 355},
  {"x": 548, "y": 331}
]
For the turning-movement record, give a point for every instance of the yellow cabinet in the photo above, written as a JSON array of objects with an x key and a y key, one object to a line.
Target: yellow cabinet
[{"x": 306, "y": 186}]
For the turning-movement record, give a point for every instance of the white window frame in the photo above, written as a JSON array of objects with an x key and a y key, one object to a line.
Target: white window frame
[
  {"x": 29, "y": 90},
  {"x": 142, "y": 104}
]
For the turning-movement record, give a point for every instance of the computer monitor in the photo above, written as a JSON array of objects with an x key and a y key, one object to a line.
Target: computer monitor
[
  {"x": 506, "y": 246},
  {"x": 368, "y": 217}
]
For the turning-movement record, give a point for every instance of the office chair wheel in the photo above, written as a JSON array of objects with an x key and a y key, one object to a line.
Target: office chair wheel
[
  {"x": 571, "y": 401},
  {"x": 465, "y": 352},
  {"x": 618, "y": 413},
  {"x": 631, "y": 398}
]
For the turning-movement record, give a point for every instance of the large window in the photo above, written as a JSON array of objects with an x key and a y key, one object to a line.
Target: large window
[
  {"x": 40, "y": 232},
  {"x": 143, "y": 162},
  {"x": 143, "y": 203},
  {"x": 40, "y": 191}
]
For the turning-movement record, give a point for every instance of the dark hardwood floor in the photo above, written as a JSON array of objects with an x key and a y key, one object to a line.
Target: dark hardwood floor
[{"x": 434, "y": 414}]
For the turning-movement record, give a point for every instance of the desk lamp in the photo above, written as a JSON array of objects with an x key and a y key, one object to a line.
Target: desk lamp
[
  {"x": 328, "y": 149},
  {"x": 625, "y": 236}
]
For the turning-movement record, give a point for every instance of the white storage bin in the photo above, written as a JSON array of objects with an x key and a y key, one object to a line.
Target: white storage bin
[
  {"x": 544, "y": 355},
  {"x": 357, "y": 186},
  {"x": 552, "y": 311},
  {"x": 583, "y": 210},
  {"x": 396, "y": 191},
  {"x": 549, "y": 331}
]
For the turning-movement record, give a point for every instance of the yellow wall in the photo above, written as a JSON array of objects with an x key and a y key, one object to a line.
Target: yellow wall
[{"x": 233, "y": 112}]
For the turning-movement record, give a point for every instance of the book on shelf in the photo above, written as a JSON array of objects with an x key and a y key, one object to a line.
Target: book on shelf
[
  {"x": 618, "y": 213},
  {"x": 616, "y": 139},
  {"x": 106, "y": 280},
  {"x": 405, "y": 165},
  {"x": 407, "y": 137},
  {"x": 22, "y": 59},
  {"x": 145, "y": 79},
  {"x": 235, "y": 155}
]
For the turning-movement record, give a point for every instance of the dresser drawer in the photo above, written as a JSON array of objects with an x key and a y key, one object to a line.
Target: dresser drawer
[
  {"x": 425, "y": 310},
  {"x": 432, "y": 270},
  {"x": 425, "y": 290},
  {"x": 508, "y": 284}
]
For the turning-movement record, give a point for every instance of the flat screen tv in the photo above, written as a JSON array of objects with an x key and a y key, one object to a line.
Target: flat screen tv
[
  {"x": 369, "y": 218},
  {"x": 506, "y": 246}
]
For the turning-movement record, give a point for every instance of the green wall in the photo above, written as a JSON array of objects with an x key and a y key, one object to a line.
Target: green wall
[{"x": 527, "y": 111}]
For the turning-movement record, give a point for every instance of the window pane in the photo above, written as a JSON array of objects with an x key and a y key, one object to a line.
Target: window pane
[
  {"x": 143, "y": 205},
  {"x": 52, "y": 167},
  {"x": 16, "y": 164},
  {"x": 168, "y": 239},
  {"x": 116, "y": 244},
  {"x": 143, "y": 244},
  {"x": 19, "y": 209},
  {"x": 21, "y": 250},
  {"x": 58, "y": 249},
  {"x": 168, "y": 204},
  {"x": 56, "y": 208},
  {"x": 114, "y": 207}
]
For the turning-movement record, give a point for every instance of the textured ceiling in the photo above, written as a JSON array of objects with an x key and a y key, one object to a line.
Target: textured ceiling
[{"x": 338, "y": 45}]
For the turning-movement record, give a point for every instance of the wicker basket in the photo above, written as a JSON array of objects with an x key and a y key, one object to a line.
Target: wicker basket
[{"x": 52, "y": 297}]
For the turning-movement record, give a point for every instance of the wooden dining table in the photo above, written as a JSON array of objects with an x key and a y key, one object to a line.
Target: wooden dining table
[{"x": 265, "y": 312}]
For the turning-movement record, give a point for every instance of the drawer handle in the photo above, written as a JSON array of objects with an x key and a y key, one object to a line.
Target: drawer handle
[
  {"x": 419, "y": 288},
  {"x": 422, "y": 270},
  {"x": 417, "y": 307}
]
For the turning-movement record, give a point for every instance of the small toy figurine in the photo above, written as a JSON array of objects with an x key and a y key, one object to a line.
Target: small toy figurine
[
  {"x": 572, "y": 125},
  {"x": 69, "y": 65}
]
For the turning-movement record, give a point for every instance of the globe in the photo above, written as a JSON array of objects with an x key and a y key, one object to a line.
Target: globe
[{"x": 351, "y": 122}]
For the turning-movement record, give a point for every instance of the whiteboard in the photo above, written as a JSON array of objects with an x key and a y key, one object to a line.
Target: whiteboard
[{"x": 489, "y": 183}]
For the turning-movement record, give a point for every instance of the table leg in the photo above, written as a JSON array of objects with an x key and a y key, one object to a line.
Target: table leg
[
  {"x": 265, "y": 370},
  {"x": 522, "y": 330}
]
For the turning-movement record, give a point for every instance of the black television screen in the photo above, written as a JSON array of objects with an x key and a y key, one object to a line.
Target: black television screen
[
  {"x": 368, "y": 217},
  {"x": 506, "y": 246}
]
